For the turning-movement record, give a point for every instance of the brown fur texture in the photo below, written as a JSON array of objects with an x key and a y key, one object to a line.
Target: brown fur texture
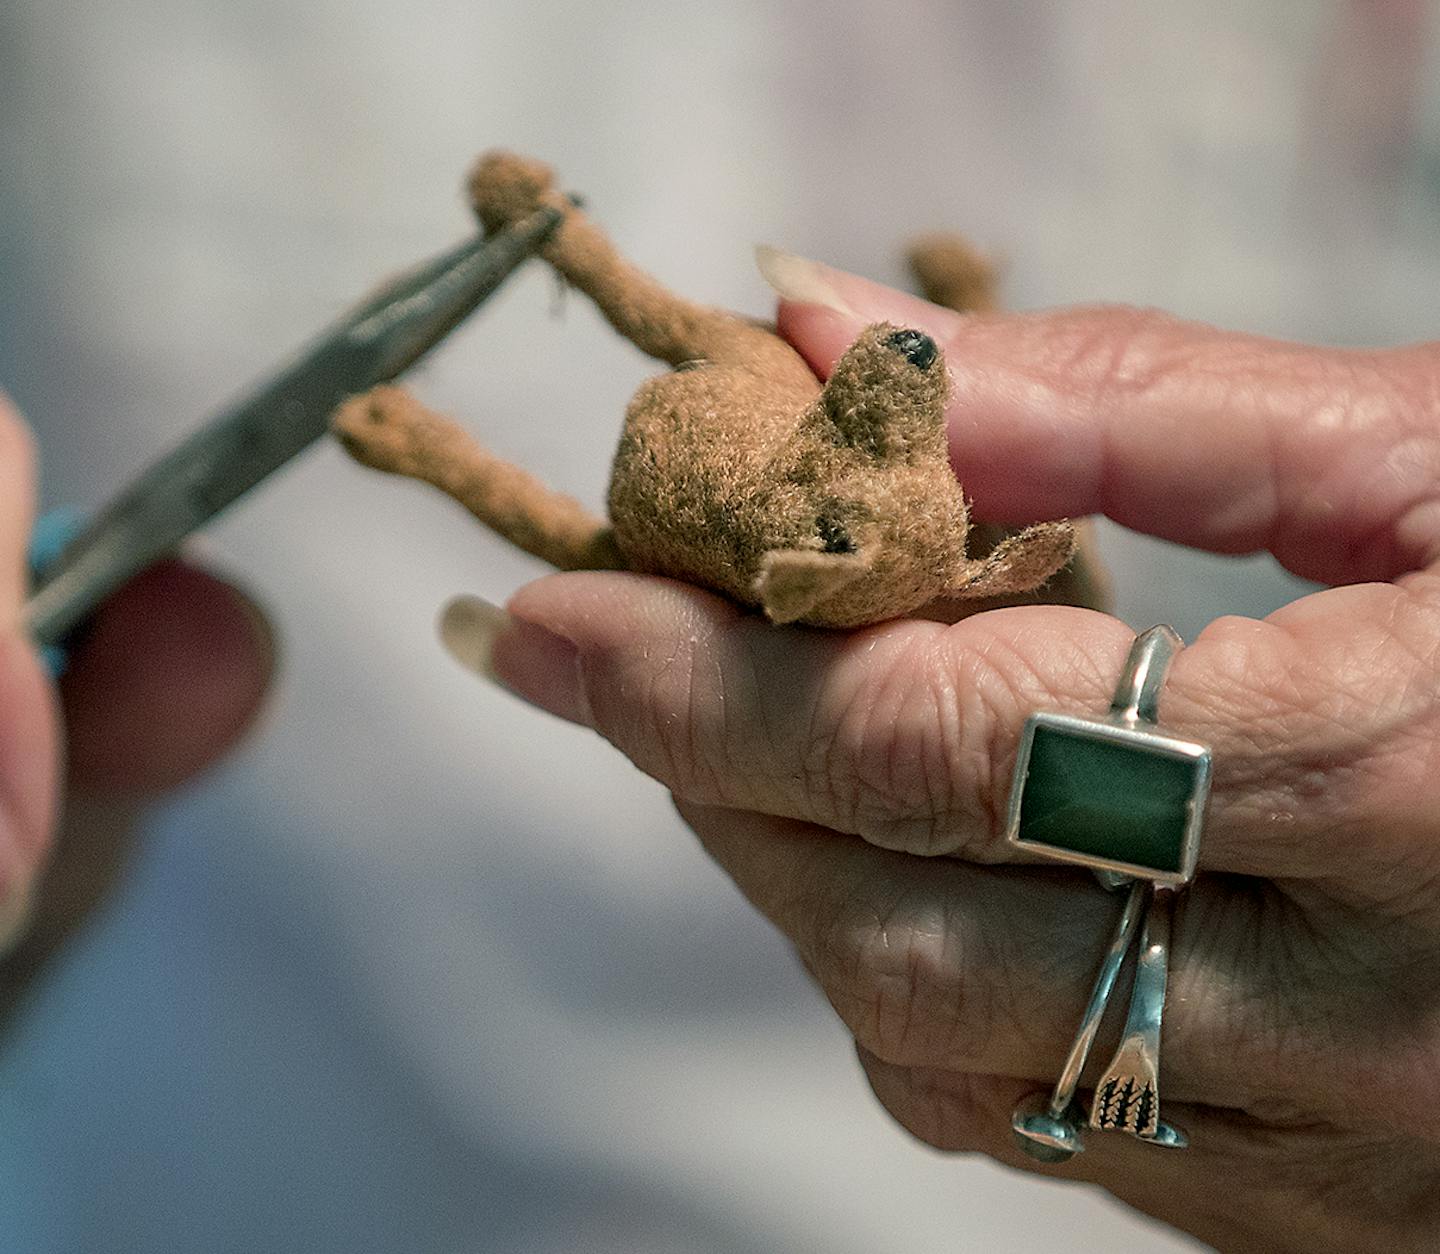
[
  {"x": 949, "y": 272},
  {"x": 831, "y": 505}
]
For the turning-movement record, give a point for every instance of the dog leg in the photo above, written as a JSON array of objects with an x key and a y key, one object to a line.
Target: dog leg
[
  {"x": 949, "y": 271},
  {"x": 505, "y": 187},
  {"x": 390, "y": 431}
]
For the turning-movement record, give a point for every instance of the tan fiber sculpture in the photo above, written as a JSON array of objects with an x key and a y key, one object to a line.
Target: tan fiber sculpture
[{"x": 831, "y": 505}]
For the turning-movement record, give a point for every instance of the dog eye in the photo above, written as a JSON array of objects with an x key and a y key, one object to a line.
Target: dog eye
[{"x": 834, "y": 537}]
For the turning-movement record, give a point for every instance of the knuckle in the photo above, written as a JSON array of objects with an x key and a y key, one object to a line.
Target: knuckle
[
  {"x": 1290, "y": 1013},
  {"x": 1113, "y": 353},
  {"x": 649, "y": 704},
  {"x": 868, "y": 766},
  {"x": 1239, "y": 665},
  {"x": 907, "y": 753},
  {"x": 1315, "y": 730},
  {"x": 897, "y": 978}
]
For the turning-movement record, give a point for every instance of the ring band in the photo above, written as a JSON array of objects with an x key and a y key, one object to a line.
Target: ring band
[
  {"x": 1127, "y": 800},
  {"x": 1045, "y": 1128}
]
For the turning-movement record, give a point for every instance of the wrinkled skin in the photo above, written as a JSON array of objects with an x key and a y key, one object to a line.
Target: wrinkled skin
[{"x": 854, "y": 785}]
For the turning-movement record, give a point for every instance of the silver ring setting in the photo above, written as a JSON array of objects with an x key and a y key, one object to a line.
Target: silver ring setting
[{"x": 1126, "y": 799}]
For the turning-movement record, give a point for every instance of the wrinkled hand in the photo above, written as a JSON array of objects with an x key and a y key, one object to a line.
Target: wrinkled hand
[
  {"x": 855, "y": 785},
  {"x": 166, "y": 678}
]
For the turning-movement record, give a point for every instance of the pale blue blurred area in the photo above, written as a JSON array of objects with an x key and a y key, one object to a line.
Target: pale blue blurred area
[{"x": 421, "y": 969}]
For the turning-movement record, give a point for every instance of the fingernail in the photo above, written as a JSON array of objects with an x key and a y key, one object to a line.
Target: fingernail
[
  {"x": 468, "y": 627},
  {"x": 799, "y": 279},
  {"x": 536, "y": 665}
]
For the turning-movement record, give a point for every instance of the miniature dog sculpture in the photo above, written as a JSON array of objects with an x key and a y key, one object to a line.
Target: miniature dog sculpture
[{"x": 831, "y": 505}]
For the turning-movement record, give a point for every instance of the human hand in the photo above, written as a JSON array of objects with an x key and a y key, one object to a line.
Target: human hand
[
  {"x": 855, "y": 785},
  {"x": 165, "y": 679}
]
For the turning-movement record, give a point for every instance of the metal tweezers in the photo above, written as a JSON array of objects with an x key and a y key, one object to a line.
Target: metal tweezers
[{"x": 222, "y": 461}]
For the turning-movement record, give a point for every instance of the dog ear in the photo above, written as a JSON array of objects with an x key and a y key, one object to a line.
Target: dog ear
[
  {"x": 792, "y": 582},
  {"x": 1020, "y": 563}
]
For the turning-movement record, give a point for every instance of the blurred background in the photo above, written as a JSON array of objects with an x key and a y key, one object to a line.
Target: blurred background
[{"x": 421, "y": 969}]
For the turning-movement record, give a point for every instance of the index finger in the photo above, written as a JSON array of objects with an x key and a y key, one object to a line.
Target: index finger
[
  {"x": 906, "y": 733},
  {"x": 1329, "y": 459}
]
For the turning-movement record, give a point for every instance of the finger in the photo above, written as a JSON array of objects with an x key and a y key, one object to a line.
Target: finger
[
  {"x": 897, "y": 733},
  {"x": 166, "y": 679},
  {"x": 977, "y": 970},
  {"x": 906, "y": 733},
  {"x": 1242, "y": 1179},
  {"x": 29, "y": 753},
  {"x": 96, "y": 838},
  {"x": 971, "y": 1113},
  {"x": 936, "y": 964},
  {"x": 1329, "y": 459},
  {"x": 17, "y": 508},
  {"x": 28, "y": 733}
]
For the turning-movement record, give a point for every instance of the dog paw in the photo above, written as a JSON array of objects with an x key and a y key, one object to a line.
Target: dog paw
[
  {"x": 506, "y": 187},
  {"x": 1020, "y": 563},
  {"x": 382, "y": 428}
]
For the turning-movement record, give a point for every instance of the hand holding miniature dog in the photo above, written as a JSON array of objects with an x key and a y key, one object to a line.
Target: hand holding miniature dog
[{"x": 826, "y": 771}]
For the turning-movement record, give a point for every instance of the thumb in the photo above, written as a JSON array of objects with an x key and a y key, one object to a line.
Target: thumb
[
  {"x": 169, "y": 675},
  {"x": 1328, "y": 458}
]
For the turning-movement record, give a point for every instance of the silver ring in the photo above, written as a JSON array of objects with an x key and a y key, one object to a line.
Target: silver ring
[{"x": 1122, "y": 797}]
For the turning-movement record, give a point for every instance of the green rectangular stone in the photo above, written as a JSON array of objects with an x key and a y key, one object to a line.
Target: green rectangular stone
[{"x": 1102, "y": 798}]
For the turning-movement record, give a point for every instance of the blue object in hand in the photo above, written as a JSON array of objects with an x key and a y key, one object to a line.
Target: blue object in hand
[{"x": 53, "y": 532}]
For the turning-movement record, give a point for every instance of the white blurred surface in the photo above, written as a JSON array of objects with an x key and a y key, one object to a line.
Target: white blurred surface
[{"x": 421, "y": 969}]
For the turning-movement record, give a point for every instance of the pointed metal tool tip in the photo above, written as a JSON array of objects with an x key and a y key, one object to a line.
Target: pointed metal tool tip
[{"x": 424, "y": 309}]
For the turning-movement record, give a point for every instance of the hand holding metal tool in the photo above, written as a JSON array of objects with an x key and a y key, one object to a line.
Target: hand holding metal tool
[{"x": 222, "y": 461}]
